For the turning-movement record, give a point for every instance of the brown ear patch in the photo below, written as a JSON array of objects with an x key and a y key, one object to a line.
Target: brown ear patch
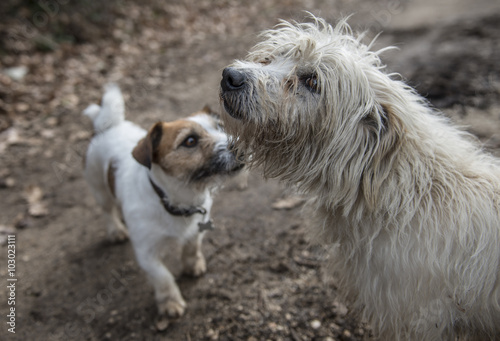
[
  {"x": 207, "y": 110},
  {"x": 144, "y": 151}
]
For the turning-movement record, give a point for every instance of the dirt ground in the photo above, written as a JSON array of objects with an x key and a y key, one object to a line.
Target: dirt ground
[{"x": 265, "y": 281}]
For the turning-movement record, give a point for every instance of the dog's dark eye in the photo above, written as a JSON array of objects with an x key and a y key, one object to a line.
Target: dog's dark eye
[
  {"x": 265, "y": 61},
  {"x": 312, "y": 84},
  {"x": 190, "y": 141}
]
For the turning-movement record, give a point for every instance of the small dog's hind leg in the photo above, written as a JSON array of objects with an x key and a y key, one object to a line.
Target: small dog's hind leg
[
  {"x": 193, "y": 261},
  {"x": 117, "y": 232}
]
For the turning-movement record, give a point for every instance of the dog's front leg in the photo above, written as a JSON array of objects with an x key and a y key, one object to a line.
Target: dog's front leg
[
  {"x": 168, "y": 296},
  {"x": 193, "y": 260}
]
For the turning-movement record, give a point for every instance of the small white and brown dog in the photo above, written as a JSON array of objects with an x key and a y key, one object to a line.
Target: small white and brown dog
[{"x": 161, "y": 182}]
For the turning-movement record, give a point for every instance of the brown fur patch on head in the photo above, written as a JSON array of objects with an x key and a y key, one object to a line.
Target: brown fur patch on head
[
  {"x": 165, "y": 145},
  {"x": 175, "y": 157}
]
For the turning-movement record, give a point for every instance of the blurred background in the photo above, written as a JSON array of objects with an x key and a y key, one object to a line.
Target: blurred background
[{"x": 264, "y": 280}]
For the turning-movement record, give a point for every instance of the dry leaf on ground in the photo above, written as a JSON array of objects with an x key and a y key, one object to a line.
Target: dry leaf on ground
[{"x": 37, "y": 206}]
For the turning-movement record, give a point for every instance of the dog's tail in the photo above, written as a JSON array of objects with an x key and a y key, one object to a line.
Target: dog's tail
[{"x": 110, "y": 113}]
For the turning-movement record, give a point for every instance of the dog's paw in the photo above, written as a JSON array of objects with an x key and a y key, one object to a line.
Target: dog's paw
[
  {"x": 172, "y": 307},
  {"x": 161, "y": 323},
  {"x": 195, "y": 267},
  {"x": 118, "y": 236}
]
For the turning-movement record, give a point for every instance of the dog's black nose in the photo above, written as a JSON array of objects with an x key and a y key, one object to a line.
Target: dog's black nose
[{"x": 232, "y": 79}]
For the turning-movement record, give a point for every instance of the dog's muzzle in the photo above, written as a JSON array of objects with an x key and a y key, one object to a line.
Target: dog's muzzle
[
  {"x": 232, "y": 85},
  {"x": 224, "y": 162}
]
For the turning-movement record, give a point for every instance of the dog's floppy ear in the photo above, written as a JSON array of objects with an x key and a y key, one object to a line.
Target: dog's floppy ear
[
  {"x": 145, "y": 149},
  {"x": 376, "y": 120}
]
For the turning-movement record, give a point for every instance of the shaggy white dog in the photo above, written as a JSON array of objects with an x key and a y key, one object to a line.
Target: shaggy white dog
[{"x": 408, "y": 203}]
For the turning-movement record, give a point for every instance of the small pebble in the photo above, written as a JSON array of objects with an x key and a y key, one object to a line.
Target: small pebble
[
  {"x": 335, "y": 328},
  {"x": 315, "y": 324},
  {"x": 16, "y": 73},
  {"x": 346, "y": 335}
]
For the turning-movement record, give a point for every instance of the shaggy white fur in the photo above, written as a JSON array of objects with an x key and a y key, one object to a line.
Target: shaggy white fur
[{"x": 408, "y": 203}]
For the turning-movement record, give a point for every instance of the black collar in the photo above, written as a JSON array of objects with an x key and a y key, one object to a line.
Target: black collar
[{"x": 175, "y": 210}]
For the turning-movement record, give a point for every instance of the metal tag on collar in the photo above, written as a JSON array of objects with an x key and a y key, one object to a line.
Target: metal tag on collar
[{"x": 208, "y": 225}]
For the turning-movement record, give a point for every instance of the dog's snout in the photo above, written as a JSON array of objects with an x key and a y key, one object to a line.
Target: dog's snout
[{"x": 232, "y": 79}]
